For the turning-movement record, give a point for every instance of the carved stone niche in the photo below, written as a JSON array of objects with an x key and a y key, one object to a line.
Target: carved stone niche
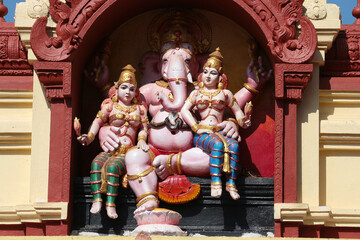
[{"x": 81, "y": 26}]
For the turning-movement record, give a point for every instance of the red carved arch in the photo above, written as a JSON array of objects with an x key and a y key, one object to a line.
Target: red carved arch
[{"x": 273, "y": 22}]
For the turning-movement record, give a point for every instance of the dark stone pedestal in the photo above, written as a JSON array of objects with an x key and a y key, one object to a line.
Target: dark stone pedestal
[{"x": 252, "y": 213}]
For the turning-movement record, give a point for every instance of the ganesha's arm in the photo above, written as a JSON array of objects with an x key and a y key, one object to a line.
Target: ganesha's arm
[{"x": 186, "y": 112}]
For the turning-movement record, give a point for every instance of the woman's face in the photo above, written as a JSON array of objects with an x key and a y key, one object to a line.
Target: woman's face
[
  {"x": 210, "y": 77},
  {"x": 126, "y": 92}
]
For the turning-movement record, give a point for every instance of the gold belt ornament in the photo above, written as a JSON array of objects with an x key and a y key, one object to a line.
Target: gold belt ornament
[
  {"x": 212, "y": 128},
  {"x": 226, "y": 167}
]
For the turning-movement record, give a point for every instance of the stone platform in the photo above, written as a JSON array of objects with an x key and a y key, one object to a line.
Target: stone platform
[{"x": 252, "y": 213}]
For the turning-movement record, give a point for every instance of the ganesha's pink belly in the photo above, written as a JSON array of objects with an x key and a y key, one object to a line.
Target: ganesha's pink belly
[{"x": 165, "y": 140}]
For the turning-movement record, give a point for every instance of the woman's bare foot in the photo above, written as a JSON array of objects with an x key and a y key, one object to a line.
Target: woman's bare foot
[
  {"x": 96, "y": 207},
  {"x": 216, "y": 190},
  {"x": 147, "y": 206},
  {"x": 111, "y": 212},
  {"x": 233, "y": 192}
]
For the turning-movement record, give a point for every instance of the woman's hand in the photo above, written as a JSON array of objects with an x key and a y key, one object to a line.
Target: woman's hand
[
  {"x": 230, "y": 129},
  {"x": 143, "y": 145},
  {"x": 84, "y": 139}
]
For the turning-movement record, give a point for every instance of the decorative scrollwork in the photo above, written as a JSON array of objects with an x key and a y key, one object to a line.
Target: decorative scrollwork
[
  {"x": 283, "y": 20},
  {"x": 67, "y": 29}
]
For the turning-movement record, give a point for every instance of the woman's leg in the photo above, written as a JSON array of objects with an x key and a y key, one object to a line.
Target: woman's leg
[
  {"x": 115, "y": 169},
  {"x": 95, "y": 180},
  {"x": 215, "y": 147},
  {"x": 234, "y": 160}
]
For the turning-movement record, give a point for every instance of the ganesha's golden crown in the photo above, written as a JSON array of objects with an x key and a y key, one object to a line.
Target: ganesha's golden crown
[
  {"x": 127, "y": 76},
  {"x": 215, "y": 60}
]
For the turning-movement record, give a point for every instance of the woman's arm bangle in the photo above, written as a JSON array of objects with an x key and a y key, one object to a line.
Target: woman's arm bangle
[
  {"x": 91, "y": 136},
  {"x": 142, "y": 137}
]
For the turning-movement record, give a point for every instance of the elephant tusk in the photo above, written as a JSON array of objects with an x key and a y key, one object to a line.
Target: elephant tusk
[
  {"x": 165, "y": 76},
  {"x": 189, "y": 77}
]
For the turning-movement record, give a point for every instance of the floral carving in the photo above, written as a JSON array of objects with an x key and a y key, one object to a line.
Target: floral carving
[
  {"x": 37, "y": 8},
  {"x": 315, "y": 10}
]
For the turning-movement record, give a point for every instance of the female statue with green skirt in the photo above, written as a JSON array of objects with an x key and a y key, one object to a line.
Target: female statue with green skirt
[{"x": 123, "y": 112}]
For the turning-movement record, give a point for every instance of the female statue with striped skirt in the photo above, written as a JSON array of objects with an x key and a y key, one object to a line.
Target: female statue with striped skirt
[{"x": 210, "y": 100}]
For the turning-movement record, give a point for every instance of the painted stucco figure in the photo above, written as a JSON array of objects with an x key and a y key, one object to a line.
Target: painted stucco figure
[
  {"x": 123, "y": 112},
  {"x": 210, "y": 101},
  {"x": 170, "y": 138}
]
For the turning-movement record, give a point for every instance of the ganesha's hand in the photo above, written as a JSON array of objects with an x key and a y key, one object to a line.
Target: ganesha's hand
[
  {"x": 257, "y": 77},
  {"x": 84, "y": 139},
  {"x": 142, "y": 145},
  {"x": 108, "y": 137},
  {"x": 229, "y": 129}
]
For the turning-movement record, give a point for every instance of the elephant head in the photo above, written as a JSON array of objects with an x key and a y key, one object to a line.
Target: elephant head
[{"x": 177, "y": 66}]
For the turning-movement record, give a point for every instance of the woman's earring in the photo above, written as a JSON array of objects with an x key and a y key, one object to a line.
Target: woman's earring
[
  {"x": 220, "y": 85},
  {"x": 201, "y": 84},
  {"x": 114, "y": 98}
]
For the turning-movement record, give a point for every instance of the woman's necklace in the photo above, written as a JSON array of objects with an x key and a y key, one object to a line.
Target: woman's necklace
[
  {"x": 126, "y": 110},
  {"x": 210, "y": 94}
]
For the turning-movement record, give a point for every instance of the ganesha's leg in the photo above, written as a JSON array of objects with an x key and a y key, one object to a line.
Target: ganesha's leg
[
  {"x": 234, "y": 160},
  {"x": 115, "y": 169},
  {"x": 213, "y": 145},
  {"x": 142, "y": 179},
  {"x": 95, "y": 181}
]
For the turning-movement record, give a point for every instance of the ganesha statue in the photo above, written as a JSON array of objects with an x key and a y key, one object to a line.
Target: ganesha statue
[{"x": 180, "y": 54}]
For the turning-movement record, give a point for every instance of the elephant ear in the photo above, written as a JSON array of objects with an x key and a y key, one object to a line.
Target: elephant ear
[
  {"x": 150, "y": 67},
  {"x": 201, "y": 59}
]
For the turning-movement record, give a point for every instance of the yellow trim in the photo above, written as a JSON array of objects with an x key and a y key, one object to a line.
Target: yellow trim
[
  {"x": 169, "y": 164},
  {"x": 140, "y": 175},
  {"x": 316, "y": 215},
  {"x": 91, "y": 136},
  {"x": 101, "y": 116},
  {"x": 146, "y": 200},
  {"x": 195, "y": 127},
  {"x": 226, "y": 166},
  {"x": 33, "y": 213},
  {"x": 232, "y": 102},
  {"x": 144, "y": 195},
  {"x": 142, "y": 137},
  {"x": 178, "y": 163},
  {"x": 212, "y": 128},
  {"x": 251, "y": 89}
]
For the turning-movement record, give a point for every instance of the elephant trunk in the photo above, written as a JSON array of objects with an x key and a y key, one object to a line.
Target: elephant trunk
[{"x": 177, "y": 74}]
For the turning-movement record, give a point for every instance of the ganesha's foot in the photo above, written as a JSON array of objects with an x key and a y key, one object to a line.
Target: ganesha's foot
[
  {"x": 161, "y": 166},
  {"x": 147, "y": 204},
  {"x": 111, "y": 211},
  {"x": 216, "y": 189},
  {"x": 96, "y": 207},
  {"x": 231, "y": 188}
]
